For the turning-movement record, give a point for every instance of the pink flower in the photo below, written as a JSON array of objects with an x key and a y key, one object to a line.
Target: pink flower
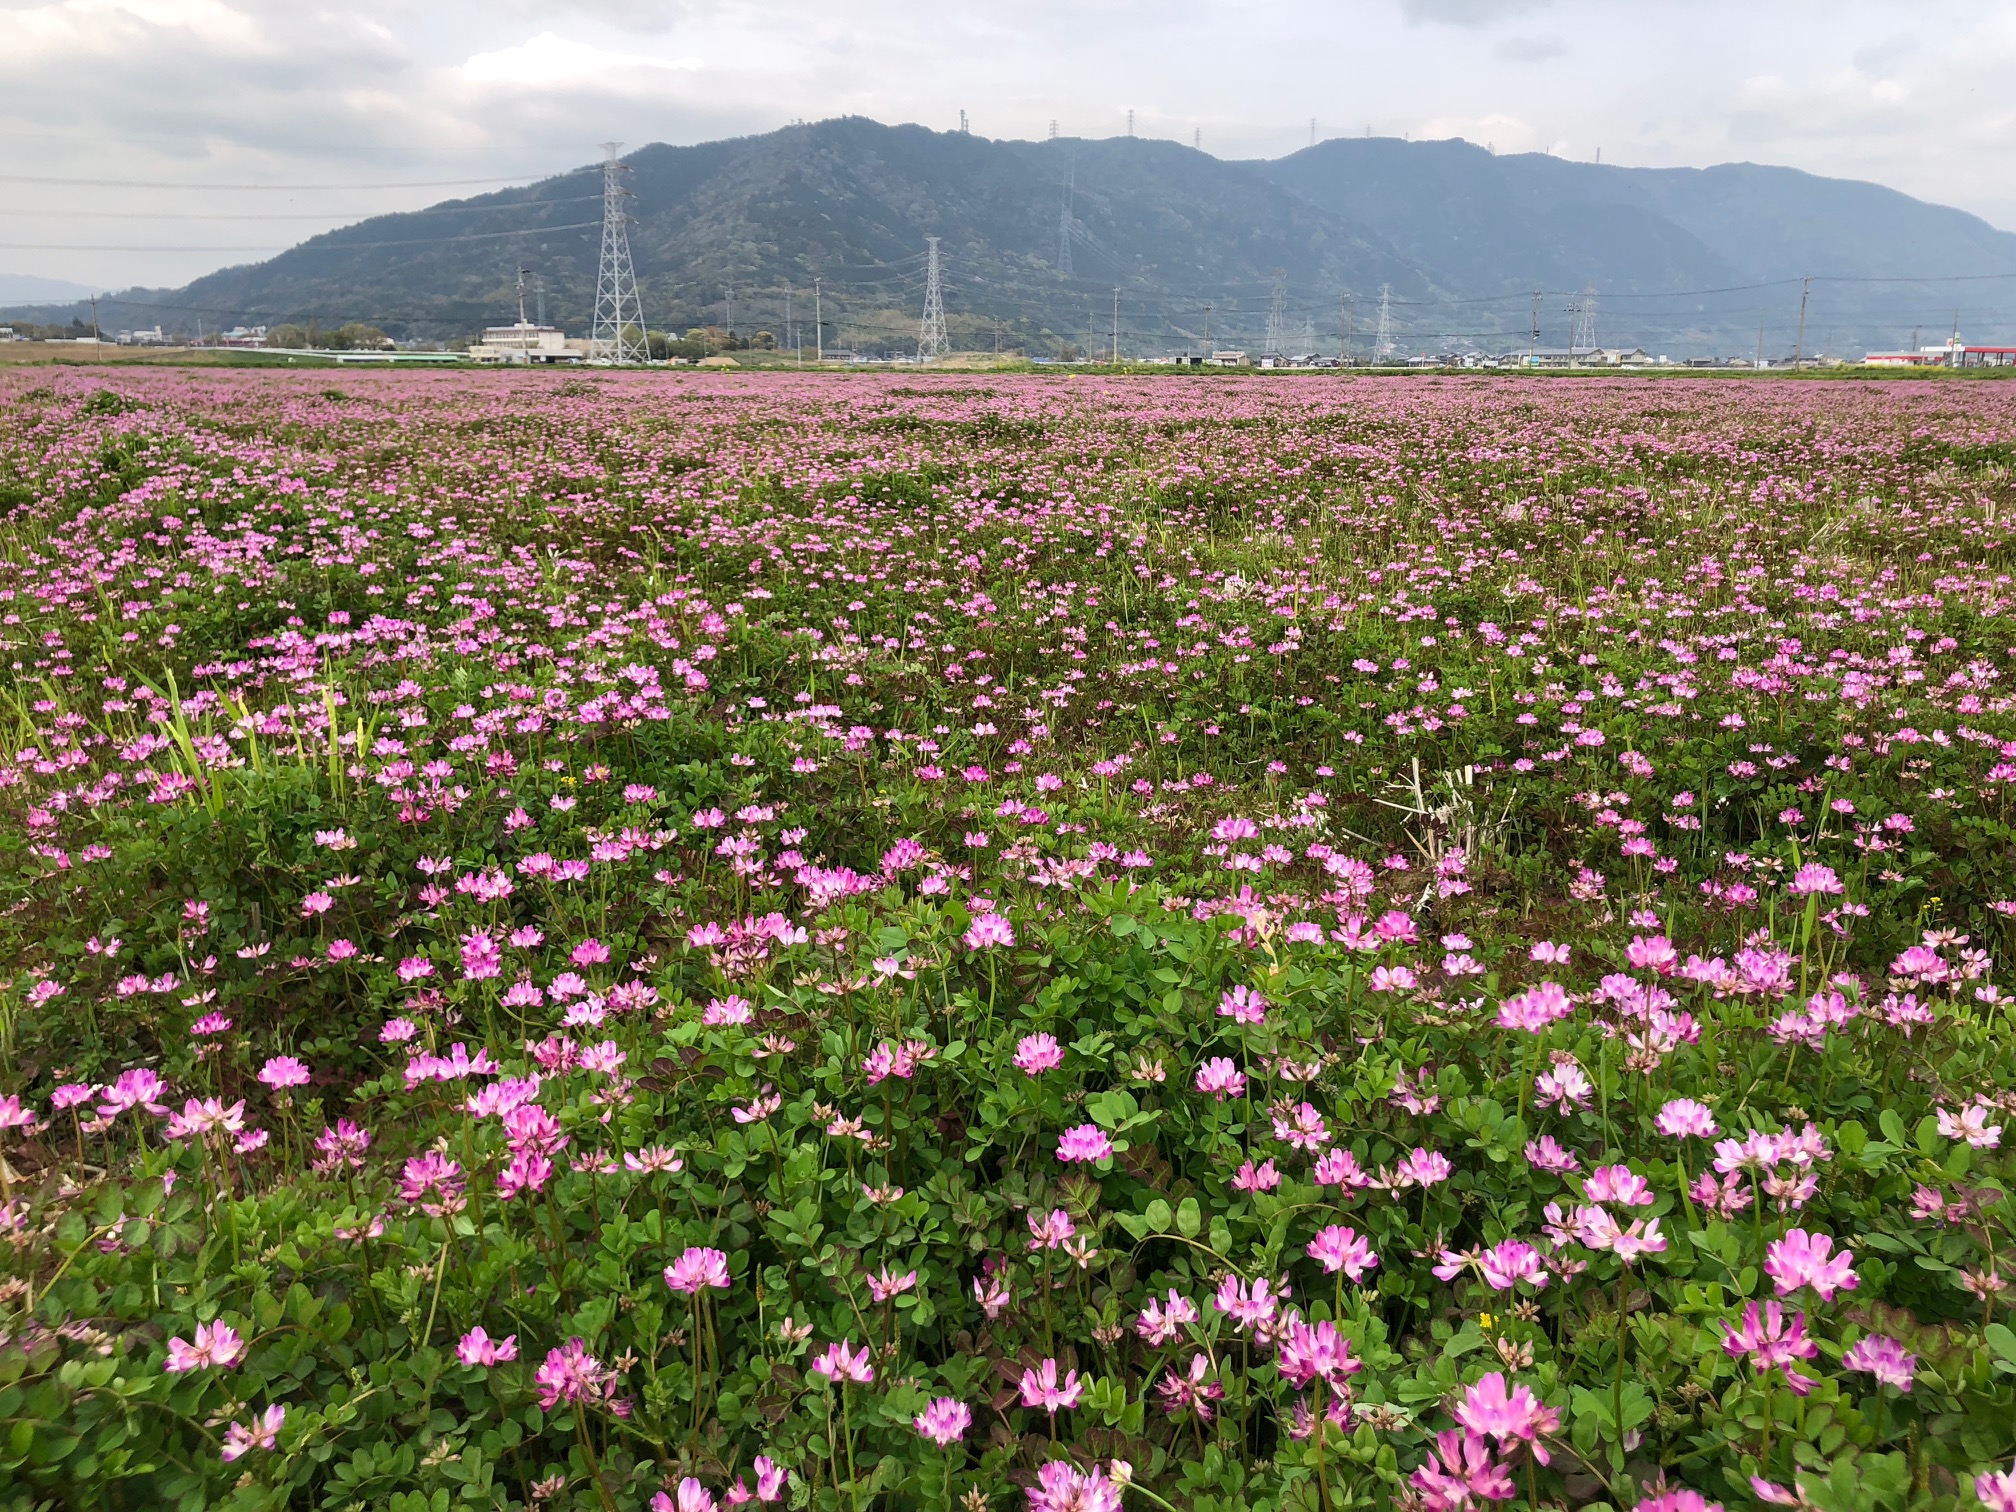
[
  {"x": 987, "y": 931},
  {"x": 589, "y": 952},
  {"x": 1813, "y": 878},
  {"x": 140, "y": 1088},
  {"x": 1302, "y": 1128},
  {"x": 1087, "y": 1142},
  {"x": 1260, "y": 1178},
  {"x": 691, "y": 1497},
  {"x": 1310, "y": 1353},
  {"x": 1535, "y": 1008},
  {"x": 571, "y": 1374},
  {"x": 1060, "y": 1487},
  {"x": 478, "y": 1348},
  {"x": 1683, "y": 1117},
  {"x": 1243, "y": 1005},
  {"x": 1997, "y": 1490},
  {"x": 1158, "y": 1324},
  {"x": 884, "y": 1286},
  {"x": 1548, "y": 1154},
  {"x": 721, "y": 1012},
  {"x": 482, "y": 956},
  {"x": 1506, "y": 1413},
  {"x": 841, "y": 1364},
  {"x": 216, "y": 1344},
  {"x": 1339, "y": 1167},
  {"x": 1802, "y": 1259},
  {"x": 697, "y": 1269},
  {"x": 284, "y": 1071},
  {"x": 1461, "y": 1470},
  {"x": 1050, "y": 1232},
  {"x": 944, "y": 1422},
  {"x": 1042, "y": 1389},
  {"x": 263, "y": 1432},
  {"x": 1423, "y": 1168},
  {"x": 1038, "y": 1053},
  {"x": 1884, "y": 1358},
  {"x": 1679, "y": 1499},
  {"x": 1247, "y": 1306},
  {"x": 1220, "y": 1077},
  {"x": 433, "y": 1183},
  {"x": 1652, "y": 953},
  {"x": 1771, "y": 1344},
  {"x": 1619, "y": 1186},
  {"x": 528, "y": 1171},
  {"x": 1971, "y": 1124},
  {"x": 1509, "y": 1262},
  {"x": 1341, "y": 1248}
]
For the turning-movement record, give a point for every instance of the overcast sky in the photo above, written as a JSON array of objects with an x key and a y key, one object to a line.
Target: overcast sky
[{"x": 371, "y": 92}]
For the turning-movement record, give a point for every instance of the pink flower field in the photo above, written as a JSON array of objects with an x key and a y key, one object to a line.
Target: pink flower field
[{"x": 658, "y": 941}]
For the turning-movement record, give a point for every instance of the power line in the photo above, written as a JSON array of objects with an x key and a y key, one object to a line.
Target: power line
[
  {"x": 307, "y": 246},
  {"x": 289, "y": 215},
  {"x": 88, "y": 183}
]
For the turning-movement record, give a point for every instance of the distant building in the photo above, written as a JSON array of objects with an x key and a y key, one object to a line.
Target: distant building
[
  {"x": 1227, "y": 359},
  {"x": 1950, "y": 353},
  {"x": 8, "y": 333},
  {"x": 142, "y": 338},
  {"x": 523, "y": 343},
  {"x": 243, "y": 336}
]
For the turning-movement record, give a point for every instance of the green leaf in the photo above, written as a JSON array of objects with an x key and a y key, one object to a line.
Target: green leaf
[
  {"x": 1159, "y": 1216},
  {"x": 1189, "y": 1218}
]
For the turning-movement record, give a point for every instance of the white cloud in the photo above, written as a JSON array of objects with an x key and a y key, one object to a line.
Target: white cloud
[{"x": 549, "y": 61}]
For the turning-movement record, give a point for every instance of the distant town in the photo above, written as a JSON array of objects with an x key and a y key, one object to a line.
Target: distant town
[{"x": 531, "y": 344}]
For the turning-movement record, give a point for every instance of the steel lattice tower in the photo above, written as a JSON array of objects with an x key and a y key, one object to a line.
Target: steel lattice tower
[
  {"x": 931, "y": 340},
  {"x": 1277, "y": 312},
  {"x": 618, "y": 333},
  {"x": 1584, "y": 336},
  {"x": 1382, "y": 348}
]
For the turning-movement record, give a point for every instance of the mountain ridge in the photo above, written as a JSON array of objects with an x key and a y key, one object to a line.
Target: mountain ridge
[{"x": 1680, "y": 258}]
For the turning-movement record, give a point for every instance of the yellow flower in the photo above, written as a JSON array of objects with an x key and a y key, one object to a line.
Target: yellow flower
[{"x": 1486, "y": 1322}]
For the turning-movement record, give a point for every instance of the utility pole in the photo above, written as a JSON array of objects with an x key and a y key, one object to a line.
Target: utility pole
[
  {"x": 1533, "y": 341},
  {"x": 521, "y": 296},
  {"x": 1116, "y": 325},
  {"x": 539, "y": 298},
  {"x": 818, "y": 325},
  {"x": 1130, "y": 123},
  {"x": 791, "y": 331},
  {"x": 1207, "y": 330},
  {"x": 94, "y": 320},
  {"x": 1197, "y": 139},
  {"x": 1382, "y": 348},
  {"x": 1053, "y": 131},
  {"x": 1799, "y": 349},
  {"x": 962, "y": 124},
  {"x": 1759, "y": 366},
  {"x": 1344, "y": 324},
  {"x": 728, "y": 295}
]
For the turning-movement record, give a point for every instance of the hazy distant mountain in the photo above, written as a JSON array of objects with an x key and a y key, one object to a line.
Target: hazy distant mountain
[
  {"x": 26, "y": 288},
  {"x": 1682, "y": 260}
]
